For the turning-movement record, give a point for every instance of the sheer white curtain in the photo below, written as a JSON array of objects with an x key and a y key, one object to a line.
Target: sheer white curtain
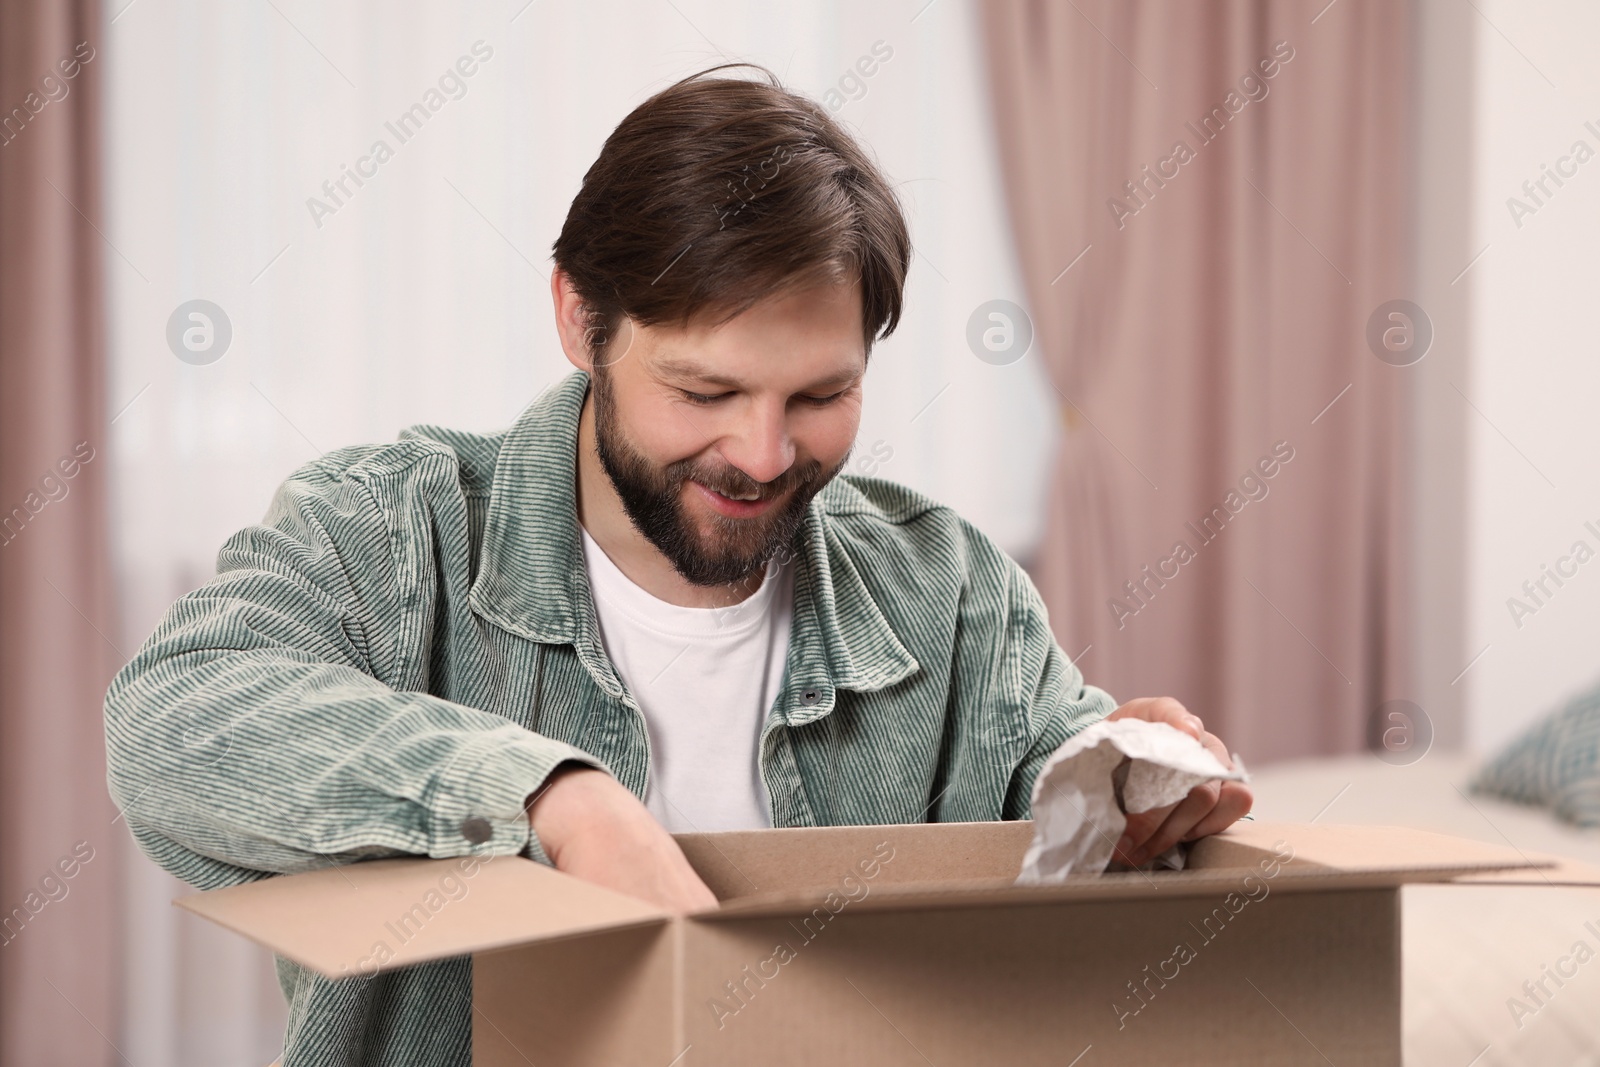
[{"x": 419, "y": 293}]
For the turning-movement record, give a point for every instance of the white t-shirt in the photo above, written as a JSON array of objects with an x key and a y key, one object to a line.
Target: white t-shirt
[{"x": 705, "y": 679}]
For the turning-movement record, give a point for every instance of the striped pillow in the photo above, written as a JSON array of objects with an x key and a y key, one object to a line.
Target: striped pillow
[{"x": 1555, "y": 764}]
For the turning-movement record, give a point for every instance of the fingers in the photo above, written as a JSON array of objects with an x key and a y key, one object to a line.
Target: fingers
[
  {"x": 1169, "y": 711},
  {"x": 690, "y": 893},
  {"x": 594, "y": 829},
  {"x": 1183, "y": 818},
  {"x": 1162, "y": 709},
  {"x": 687, "y": 894},
  {"x": 1142, "y": 825},
  {"x": 1213, "y": 744},
  {"x": 1208, "y": 809},
  {"x": 1233, "y": 804},
  {"x": 1233, "y": 801},
  {"x": 673, "y": 882}
]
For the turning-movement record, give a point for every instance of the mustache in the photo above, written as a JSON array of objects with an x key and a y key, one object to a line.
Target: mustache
[{"x": 731, "y": 481}]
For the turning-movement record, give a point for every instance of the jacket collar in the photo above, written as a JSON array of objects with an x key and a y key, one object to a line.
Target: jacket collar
[{"x": 532, "y": 580}]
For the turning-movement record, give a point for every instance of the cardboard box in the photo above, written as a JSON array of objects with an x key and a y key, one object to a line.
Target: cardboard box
[{"x": 889, "y": 945}]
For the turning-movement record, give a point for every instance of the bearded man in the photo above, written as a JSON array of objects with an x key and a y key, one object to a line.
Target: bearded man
[{"x": 654, "y": 604}]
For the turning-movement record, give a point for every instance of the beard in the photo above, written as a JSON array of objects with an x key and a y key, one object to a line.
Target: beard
[{"x": 733, "y": 549}]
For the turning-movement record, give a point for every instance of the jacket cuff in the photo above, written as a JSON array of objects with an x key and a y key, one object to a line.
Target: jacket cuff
[{"x": 476, "y": 803}]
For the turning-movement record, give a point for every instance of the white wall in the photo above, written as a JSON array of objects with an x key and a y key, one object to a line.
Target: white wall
[
  {"x": 1534, "y": 440},
  {"x": 424, "y": 298}
]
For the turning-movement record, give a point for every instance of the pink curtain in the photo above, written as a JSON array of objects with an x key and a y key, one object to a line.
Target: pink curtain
[
  {"x": 1198, "y": 308},
  {"x": 57, "y": 835}
]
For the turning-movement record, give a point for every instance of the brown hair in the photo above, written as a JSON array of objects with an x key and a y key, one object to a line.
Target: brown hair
[{"x": 717, "y": 192}]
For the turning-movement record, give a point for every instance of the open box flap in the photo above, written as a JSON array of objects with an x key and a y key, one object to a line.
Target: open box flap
[
  {"x": 736, "y": 863},
  {"x": 1349, "y": 848},
  {"x": 1123, "y": 886},
  {"x": 1323, "y": 857},
  {"x": 1560, "y": 871},
  {"x": 363, "y": 918},
  {"x": 1345, "y": 846}
]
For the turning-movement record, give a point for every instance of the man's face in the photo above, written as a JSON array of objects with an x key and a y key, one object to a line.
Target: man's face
[{"x": 717, "y": 437}]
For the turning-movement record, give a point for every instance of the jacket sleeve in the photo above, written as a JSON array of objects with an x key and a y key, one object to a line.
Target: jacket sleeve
[
  {"x": 1042, "y": 691},
  {"x": 253, "y": 732},
  {"x": 1062, "y": 705}
]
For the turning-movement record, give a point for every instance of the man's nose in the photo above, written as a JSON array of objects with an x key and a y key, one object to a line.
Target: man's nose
[{"x": 760, "y": 446}]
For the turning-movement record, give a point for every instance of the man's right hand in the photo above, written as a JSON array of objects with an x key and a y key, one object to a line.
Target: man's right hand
[{"x": 592, "y": 828}]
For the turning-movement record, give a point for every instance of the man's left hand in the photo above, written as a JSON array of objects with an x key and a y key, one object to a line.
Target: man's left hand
[{"x": 1207, "y": 809}]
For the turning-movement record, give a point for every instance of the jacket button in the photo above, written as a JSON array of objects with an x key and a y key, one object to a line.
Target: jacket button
[
  {"x": 810, "y": 696},
  {"x": 477, "y": 829}
]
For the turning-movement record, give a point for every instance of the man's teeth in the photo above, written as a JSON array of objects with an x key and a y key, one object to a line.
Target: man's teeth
[{"x": 745, "y": 497}]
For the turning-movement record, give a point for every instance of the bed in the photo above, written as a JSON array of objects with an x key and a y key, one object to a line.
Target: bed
[{"x": 1468, "y": 950}]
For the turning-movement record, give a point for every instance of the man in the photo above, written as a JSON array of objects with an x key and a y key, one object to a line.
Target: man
[{"x": 653, "y": 604}]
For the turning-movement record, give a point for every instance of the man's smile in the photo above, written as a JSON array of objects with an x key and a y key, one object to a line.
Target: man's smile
[{"x": 734, "y": 507}]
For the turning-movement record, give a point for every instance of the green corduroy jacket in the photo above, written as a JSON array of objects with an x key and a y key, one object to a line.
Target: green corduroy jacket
[{"x": 393, "y": 660}]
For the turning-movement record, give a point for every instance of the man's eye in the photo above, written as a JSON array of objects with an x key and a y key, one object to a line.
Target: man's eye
[
  {"x": 821, "y": 401},
  {"x": 701, "y": 398}
]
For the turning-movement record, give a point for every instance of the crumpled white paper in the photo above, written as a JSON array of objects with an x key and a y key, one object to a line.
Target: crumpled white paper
[{"x": 1112, "y": 767}]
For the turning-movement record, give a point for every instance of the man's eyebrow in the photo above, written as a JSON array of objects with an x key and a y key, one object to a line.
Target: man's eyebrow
[
  {"x": 678, "y": 368},
  {"x": 682, "y": 369},
  {"x": 844, "y": 377}
]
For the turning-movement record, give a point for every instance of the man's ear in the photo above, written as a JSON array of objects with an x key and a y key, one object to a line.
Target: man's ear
[
  {"x": 572, "y": 321},
  {"x": 580, "y": 334}
]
